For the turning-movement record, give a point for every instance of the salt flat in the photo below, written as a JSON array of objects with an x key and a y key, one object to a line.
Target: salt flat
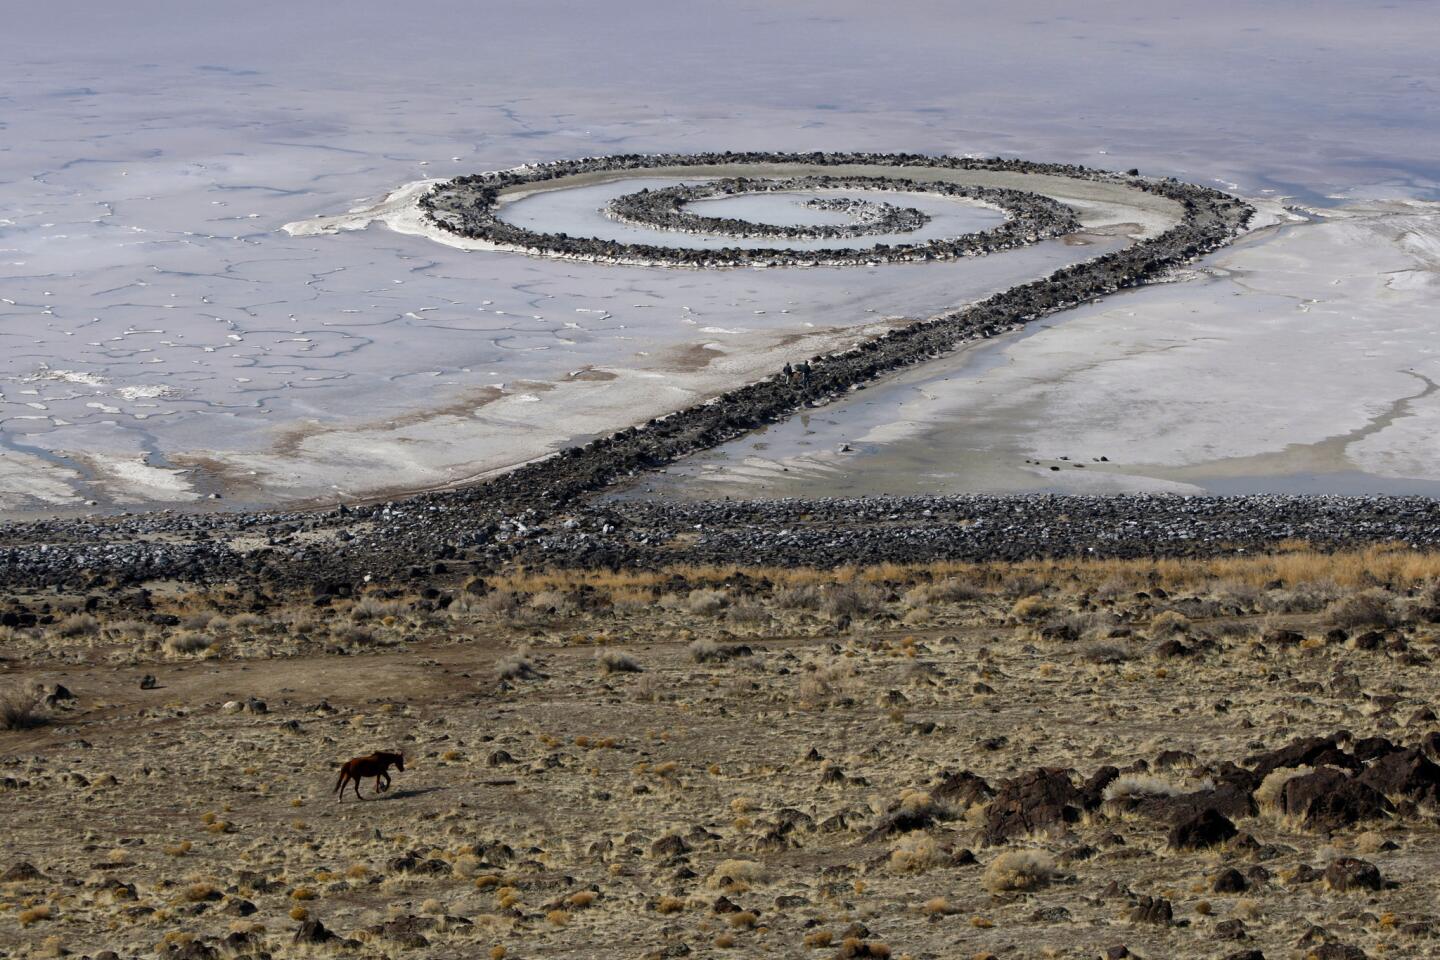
[
  {"x": 162, "y": 339},
  {"x": 1298, "y": 359}
]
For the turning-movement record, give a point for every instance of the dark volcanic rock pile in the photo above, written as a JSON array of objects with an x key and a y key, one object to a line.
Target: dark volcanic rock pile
[
  {"x": 1032, "y": 217},
  {"x": 918, "y": 529},
  {"x": 466, "y": 206},
  {"x": 465, "y": 530}
]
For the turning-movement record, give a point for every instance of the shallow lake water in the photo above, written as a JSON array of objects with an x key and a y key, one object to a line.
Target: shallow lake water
[{"x": 580, "y": 213}]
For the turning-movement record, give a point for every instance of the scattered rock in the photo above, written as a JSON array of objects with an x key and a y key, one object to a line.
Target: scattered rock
[{"x": 1156, "y": 910}]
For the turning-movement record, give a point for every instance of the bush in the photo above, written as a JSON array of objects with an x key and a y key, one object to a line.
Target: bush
[
  {"x": 1304, "y": 598},
  {"x": 353, "y": 635},
  {"x": 373, "y": 608},
  {"x": 748, "y": 612},
  {"x": 517, "y": 666},
  {"x": 1018, "y": 870},
  {"x": 1169, "y": 623},
  {"x": 804, "y": 597},
  {"x": 850, "y": 600},
  {"x": 838, "y": 599},
  {"x": 946, "y": 591},
  {"x": 708, "y": 651},
  {"x": 613, "y": 661},
  {"x": 554, "y": 602},
  {"x": 77, "y": 625},
  {"x": 20, "y": 712},
  {"x": 1033, "y": 608},
  {"x": 498, "y": 604},
  {"x": 1369, "y": 610},
  {"x": 732, "y": 873},
  {"x": 706, "y": 603},
  {"x": 185, "y": 642},
  {"x": 915, "y": 853}
]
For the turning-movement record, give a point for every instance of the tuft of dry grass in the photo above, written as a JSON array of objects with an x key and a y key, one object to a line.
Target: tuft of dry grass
[
  {"x": 20, "y": 711},
  {"x": 1268, "y": 794},
  {"x": 35, "y": 914},
  {"x": 1140, "y": 785},
  {"x": 184, "y": 642},
  {"x": 1368, "y": 610},
  {"x": 1017, "y": 870},
  {"x": 77, "y": 625},
  {"x": 614, "y": 661},
  {"x": 706, "y": 603},
  {"x": 1169, "y": 623},
  {"x": 517, "y": 666},
  {"x": 914, "y": 853},
  {"x": 737, "y": 873},
  {"x": 1033, "y": 608}
]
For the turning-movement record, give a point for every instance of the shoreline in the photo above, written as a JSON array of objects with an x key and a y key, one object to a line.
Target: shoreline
[{"x": 470, "y": 524}]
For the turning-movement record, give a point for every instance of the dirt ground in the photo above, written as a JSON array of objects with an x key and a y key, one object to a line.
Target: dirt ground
[{"x": 760, "y": 765}]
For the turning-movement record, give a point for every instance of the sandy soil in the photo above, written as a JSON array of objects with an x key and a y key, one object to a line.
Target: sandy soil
[{"x": 721, "y": 767}]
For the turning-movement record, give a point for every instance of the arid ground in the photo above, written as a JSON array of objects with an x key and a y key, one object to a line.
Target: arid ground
[{"x": 1171, "y": 758}]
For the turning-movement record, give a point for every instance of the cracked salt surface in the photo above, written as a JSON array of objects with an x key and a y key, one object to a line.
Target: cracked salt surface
[
  {"x": 1189, "y": 387},
  {"x": 143, "y": 186}
]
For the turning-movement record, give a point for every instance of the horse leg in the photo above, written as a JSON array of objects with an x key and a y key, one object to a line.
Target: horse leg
[
  {"x": 386, "y": 775},
  {"x": 340, "y": 788},
  {"x": 356, "y": 781}
]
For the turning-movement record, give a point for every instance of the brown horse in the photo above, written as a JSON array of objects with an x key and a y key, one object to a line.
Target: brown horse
[{"x": 376, "y": 765}]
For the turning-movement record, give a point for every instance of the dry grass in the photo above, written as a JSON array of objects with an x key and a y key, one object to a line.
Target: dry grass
[
  {"x": 530, "y": 809},
  {"x": 21, "y": 711},
  {"x": 1374, "y": 609},
  {"x": 1018, "y": 870},
  {"x": 1292, "y": 564},
  {"x": 616, "y": 661}
]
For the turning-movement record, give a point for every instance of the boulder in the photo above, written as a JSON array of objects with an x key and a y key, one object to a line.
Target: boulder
[
  {"x": 1043, "y": 800},
  {"x": 1204, "y": 829},
  {"x": 963, "y": 789},
  {"x": 1230, "y": 881},
  {"x": 1352, "y": 873},
  {"x": 20, "y": 872},
  {"x": 1155, "y": 910},
  {"x": 1404, "y": 773},
  {"x": 1337, "y": 951},
  {"x": 1328, "y": 800},
  {"x": 1305, "y": 752},
  {"x": 313, "y": 931}
]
